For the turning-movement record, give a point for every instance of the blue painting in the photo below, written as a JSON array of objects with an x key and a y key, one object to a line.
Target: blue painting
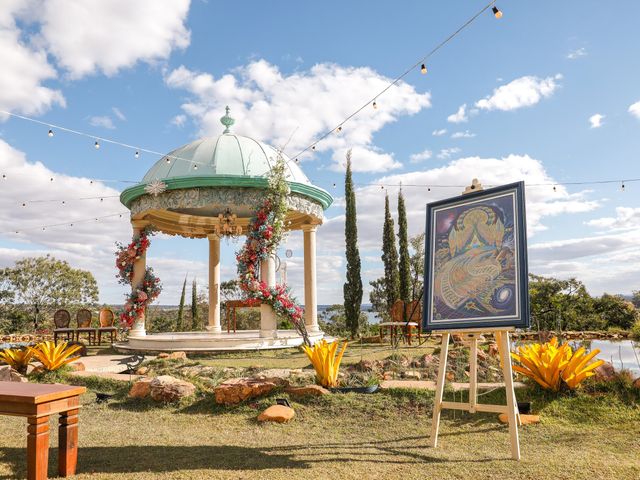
[{"x": 476, "y": 259}]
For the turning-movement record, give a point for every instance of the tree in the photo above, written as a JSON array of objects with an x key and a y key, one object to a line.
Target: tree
[
  {"x": 635, "y": 298},
  {"x": 378, "y": 298},
  {"x": 45, "y": 283},
  {"x": 615, "y": 311},
  {"x": 416, "y": 262},
  {"x": 195, "y": 320},
  {"x": 353, "y": 287},
  {"x": 404, "y": 266},
  {"x": 180, "y": 320},
  {"x": 390, "y": 260},
  {"x": 333, "y": 321}
]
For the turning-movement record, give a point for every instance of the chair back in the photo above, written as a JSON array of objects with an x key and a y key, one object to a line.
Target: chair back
[
  {"x": 397, "y": 311},
  {"x": 106, "y": 317},
  {"x": 62, "y": 318},
  {"x": 83, "y": 317},
  {"x": 414, "y": 311}
]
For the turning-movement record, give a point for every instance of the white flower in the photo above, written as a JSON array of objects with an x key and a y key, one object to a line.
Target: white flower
[{"x": 155, "y": 188}]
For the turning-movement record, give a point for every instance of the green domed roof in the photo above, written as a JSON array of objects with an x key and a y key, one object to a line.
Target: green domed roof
[{"x": 228, "y": 160}]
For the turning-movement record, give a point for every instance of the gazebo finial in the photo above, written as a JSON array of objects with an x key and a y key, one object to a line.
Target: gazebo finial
[{"x": 227, "y": 121}]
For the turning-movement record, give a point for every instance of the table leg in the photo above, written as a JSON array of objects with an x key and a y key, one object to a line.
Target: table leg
[
  {"x": 37, "y": 448},
  {"x": 68, "y": 443}
]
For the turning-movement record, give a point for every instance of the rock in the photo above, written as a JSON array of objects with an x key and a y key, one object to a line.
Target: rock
[
  {"x": 142, "y": 371},
  {"x": 77, "y": 366},
  {"x": 307, "y": 391},
  {"x": 457, "y": 338},
  {"x": 141, "y": 388},
  {"x": 8, "y": 374},
  {"x": 83, "y": 348},
  {"x": 282, "y": 373},
  {"x": 493, "y": 350},
  {"x": 163, "y": 355},
  {"x": 198, "y": 371},
  {"x": 236, "y": 390},
  {"x": 605, "y": 372},
  {"x": 450, "y": 376},
  {"x": 177, "y": 356},
  {"x": 411, "y": 375},
  {"x": 524, "y": 419},
  {"x": 427, "y": 360},
  {"x": 387, "y": 375},
  {"x": 166, "y": 388},
  {"x": 277, "y": 413}
]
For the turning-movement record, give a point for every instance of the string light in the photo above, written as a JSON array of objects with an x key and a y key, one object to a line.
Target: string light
[
  {"x": 137, "y": 154},
  {"x": 96, "y": 145},
  {"x": 340, "y": 128},
  {"x": 496, "y": 12},
  {"x": 423, "y": 69},
  {"x": 622, "y": 186},
  {"x": 4, "y": 176},
  {"x": 554, "y": 188},
  {"x": 51, "y": 179},
  {"x": 195, "y": 166},
  {"x": 374, "y": 105},
  {"x": 168, "y": 160},
  {"x": 313, "y": 147},
  {"x": 50, "y": 133}
]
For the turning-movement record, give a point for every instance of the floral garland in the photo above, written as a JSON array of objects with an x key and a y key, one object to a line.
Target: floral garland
[
  {"x": 137, "y": 301},
  {"x": 265, "y": 232}
]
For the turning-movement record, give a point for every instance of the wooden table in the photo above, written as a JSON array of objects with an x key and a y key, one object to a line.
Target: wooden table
[
  {"x": 37, "y": 402},
  {"x": 230, "y": 310}
]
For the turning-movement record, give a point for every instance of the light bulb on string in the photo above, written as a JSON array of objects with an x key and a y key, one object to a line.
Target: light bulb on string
[
  {"x": 50, "y": 133},
  {"x": 622, "y": 186},
  {"x": 374, "y": 105},
  {"x": 554, "y": 188},
  {"x": 334, "y": 185},
  {"x": 496, "y": 12},
  {"x": 51, "y": 179},
  {"x": 428, "y": 189},
  {"x": 4, "y": 176},
  {"x": 24, "y": 204},
  {"x": 423, "y": 69},
  {"x": 195, "y": 166},
  {"x": 168, "y": 160},
  {"x": 313, "y": 147},
  {"x": 297, "y": 161},
  {"x": 137, "y": 154},
  {"x": 339, "y": 128},
  {"x": 63, "y": 202},
  {"x": 96, "y": 145},
  {"x": 102, "y": 199}
]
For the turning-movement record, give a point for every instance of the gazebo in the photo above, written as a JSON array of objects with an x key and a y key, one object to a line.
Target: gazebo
[{"x": 209, "y": 189}]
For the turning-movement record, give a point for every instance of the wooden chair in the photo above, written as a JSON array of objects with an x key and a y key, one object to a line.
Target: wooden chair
[
  {"x": 397, "y": 314},
  {"x": 414, "y": 319},
  {"x": 106, "y": 318},
  {"x": 61, "y": 320},
  {"x": 83, "y": 319},
  {"x": 400, "y": 311}
]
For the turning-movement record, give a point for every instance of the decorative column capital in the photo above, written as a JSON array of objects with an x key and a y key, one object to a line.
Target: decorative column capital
[
  {"x": 214, "y": 236},
  {"x": 309, "y": 227},
  {"x": 140, "y": 224}
]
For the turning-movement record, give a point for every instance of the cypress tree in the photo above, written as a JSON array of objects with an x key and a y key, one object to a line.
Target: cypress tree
[
  {"x": 403, "y": 243},
  {"x": 195, "y": 321},
  {"x": 353, "y": 287},
  {"x": 180, "y": 321},
  {"x": 390, "y": 258}
]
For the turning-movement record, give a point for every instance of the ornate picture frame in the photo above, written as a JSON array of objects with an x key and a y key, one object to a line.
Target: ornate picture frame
[{"x": 476, "y": 273}]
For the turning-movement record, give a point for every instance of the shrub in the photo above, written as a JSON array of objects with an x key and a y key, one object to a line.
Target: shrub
[
  {"x": 17, "y": 358},
  {"x": 54, "y": 356}
]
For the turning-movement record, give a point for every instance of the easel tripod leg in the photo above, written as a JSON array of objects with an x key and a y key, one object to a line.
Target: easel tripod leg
[
  {"x": 511, "y": 404},
  {"x": 437, "y": 403}
]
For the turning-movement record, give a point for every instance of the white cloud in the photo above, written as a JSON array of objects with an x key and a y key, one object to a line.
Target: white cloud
[
  {"x": 521, "y": 92},
  {"x": 465, "y": 134},
  {"x": 577, "y": 53},
  {"x": 93, "y": 35},
  {"x": 439, "y": 133},
  {"x": 419, "y": 157},
  {"x": 448, "y": 152},
  {"x": 596, "y": 120},
  {"x": 460, "y": 116},
  {"x": 295, "y": 109},
  {"x": 627, "y": 218},
  {"x": 118, "y": 113},
  {"x": 25, "y": 68},
  {"x": 102, "y": 121},
  {"x": 179, "y": 120},
  {"x": 634, "y": 109}
]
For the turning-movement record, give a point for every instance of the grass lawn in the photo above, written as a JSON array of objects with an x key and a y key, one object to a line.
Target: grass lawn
[{"x": 342, "y": 436}]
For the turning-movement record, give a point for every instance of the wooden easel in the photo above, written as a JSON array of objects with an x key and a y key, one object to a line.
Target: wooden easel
[{"x": 471, "y": 335}]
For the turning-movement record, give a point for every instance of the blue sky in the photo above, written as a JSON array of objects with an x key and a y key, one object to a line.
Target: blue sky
[{"x": 550, "y": 94}]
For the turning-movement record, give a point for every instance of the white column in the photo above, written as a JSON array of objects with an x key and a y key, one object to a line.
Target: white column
[
  {"x": 268, "y": 321},
  {"x": 213, "y": 323},
  {"x": 139, "y": 269},
  {"x": 310, "y": 290}
]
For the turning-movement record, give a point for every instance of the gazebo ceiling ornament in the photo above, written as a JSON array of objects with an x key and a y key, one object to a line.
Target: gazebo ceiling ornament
[
  {"x": 227, "y": 224},
  {"x": 227, "y": 121}
]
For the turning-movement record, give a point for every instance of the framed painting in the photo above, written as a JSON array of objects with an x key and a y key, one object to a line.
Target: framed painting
[{"x": 476, "y": 273}]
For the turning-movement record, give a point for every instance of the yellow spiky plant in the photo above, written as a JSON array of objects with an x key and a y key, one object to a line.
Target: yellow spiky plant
[
  {"x": 54, "y": 356},
  {"x": 325, "y": 361},
  {"x": 552, "y": 365},
  {"x": 18, "y": 359}
]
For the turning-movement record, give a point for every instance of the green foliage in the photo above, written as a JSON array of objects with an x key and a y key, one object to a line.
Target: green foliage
[
  {"x": 390, "y": 258},
  {"x": 44, "y": 284},
  {"x": 378, "y": 298},
  {"x": 160, "y": 320},
  {"x": 416, "y": 262},
  {"x": 180, "y": 320},
  {"x": 615, "y": 311},
  {"x": 635, "y": 298},
  {"x": 14, "y": 319},
  {"x": 635, "y": 330},
  {"x": 353, "y": 287},
  {"x": 195, "y": 319},
  {"x": 404, "y": 266},
  {"x": 333, "y": 322}
]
